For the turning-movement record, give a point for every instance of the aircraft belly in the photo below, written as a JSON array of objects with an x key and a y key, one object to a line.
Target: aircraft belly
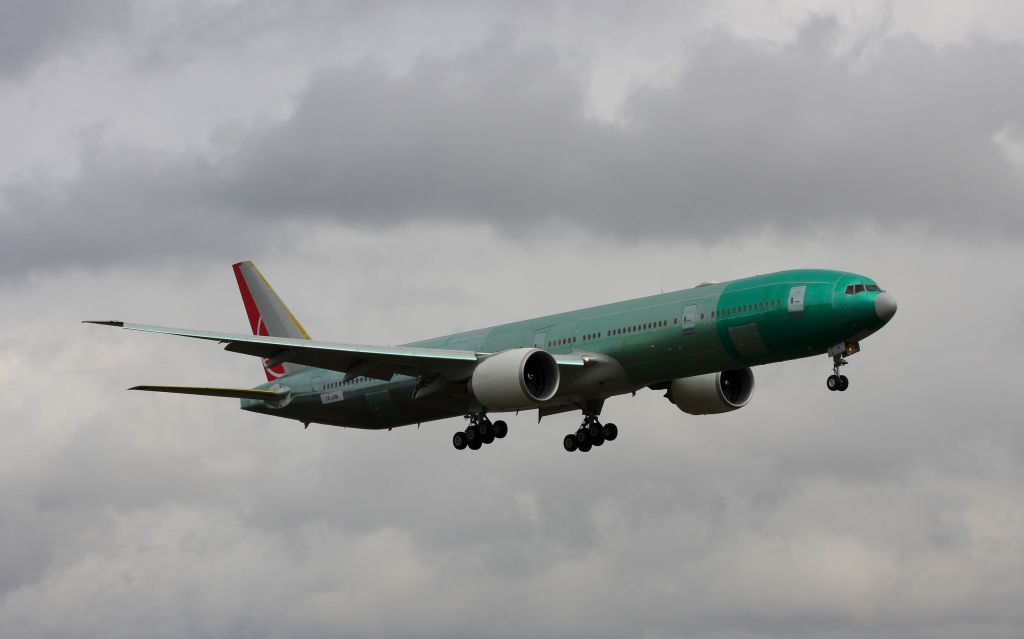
[{"x": 371, "y": 408}]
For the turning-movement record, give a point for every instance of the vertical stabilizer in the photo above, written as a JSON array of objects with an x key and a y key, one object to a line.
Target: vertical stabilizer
[{"x": 267, "y": 314}]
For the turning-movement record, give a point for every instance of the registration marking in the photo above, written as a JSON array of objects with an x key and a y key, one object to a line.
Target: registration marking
[{"x": 332, "y": 397}]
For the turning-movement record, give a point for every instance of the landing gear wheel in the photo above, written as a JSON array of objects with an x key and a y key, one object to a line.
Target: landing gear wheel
[
  {"x": 486, "y": 428},
  {"x": 570, "y": 442},
  {"x": 475, "y": 444},
  {"x": 835, "y": 381},
  {"x": 611, "y": 431},
  {"x": 459, "y": 440},
  {"x": 500, "y": 429},
  {"x": 472, "y": 435},
  {"x": 488, "y": 438},
  {"x": 596, "y": 433},
  {"x": 584, "y": 447},
  {"x": 583, "y": 437}
]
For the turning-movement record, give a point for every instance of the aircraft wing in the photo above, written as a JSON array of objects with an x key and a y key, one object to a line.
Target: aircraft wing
[
  {"x": 380, "y": 362},
  {"x": 238, "y": 393}
]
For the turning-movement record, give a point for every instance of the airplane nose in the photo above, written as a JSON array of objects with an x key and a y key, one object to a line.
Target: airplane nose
[{"x": 885, "y": 306}]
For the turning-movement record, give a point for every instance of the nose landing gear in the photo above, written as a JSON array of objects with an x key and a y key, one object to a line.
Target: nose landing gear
[
  {"x": 835, "y": 381},
  {"x": 480, "y": 431}
]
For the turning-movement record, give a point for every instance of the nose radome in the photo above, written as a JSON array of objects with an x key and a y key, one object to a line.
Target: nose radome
[{"x": 885, "y": 306}]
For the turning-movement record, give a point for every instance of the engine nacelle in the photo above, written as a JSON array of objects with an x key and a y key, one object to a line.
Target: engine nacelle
[
  {"x": 714, "y": 392},
  {"x": 515, "y": 379}
]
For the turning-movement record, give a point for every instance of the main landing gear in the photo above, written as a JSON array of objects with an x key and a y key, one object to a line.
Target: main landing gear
[
  {"x": 590, "y": 434},
  {"x": 480, "y": 431},
  {"x": 835, "y": 381}
]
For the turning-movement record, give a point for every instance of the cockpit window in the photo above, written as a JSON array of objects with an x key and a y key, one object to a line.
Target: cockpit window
[{"x": 853, "y": 289}]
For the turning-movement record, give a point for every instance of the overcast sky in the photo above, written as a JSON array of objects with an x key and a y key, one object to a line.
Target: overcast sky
[{"x": 401, "y": 170}]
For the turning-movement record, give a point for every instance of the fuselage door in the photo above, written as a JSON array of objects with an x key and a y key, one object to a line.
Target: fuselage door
[
  {"x": 539, "y": 340},
  {"x": 796, "y": 299},
  {"x": 689, "y": 318},
  {"x": 318, "y": 383}
]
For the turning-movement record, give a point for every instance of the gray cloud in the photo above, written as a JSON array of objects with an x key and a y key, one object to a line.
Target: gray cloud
[
  {"x": 892, "y": 509},
  {"x": 745, "y": 138},
  {"x": 393, "y": 206},
  {"x": 33, "y": 31}
]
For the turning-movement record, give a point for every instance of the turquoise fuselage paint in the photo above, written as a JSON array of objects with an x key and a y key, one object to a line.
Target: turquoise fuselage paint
[{"x": 647, "y": 341}]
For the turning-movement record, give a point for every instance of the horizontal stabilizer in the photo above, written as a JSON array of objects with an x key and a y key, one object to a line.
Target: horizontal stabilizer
[{"x": 237, "y": 393}]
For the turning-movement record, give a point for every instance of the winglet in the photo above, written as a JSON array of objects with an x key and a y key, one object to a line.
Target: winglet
[{"x": 105, "y": 323}]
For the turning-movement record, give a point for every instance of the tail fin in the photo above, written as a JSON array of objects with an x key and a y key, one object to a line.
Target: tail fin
[{"x": 267, "y": 314}]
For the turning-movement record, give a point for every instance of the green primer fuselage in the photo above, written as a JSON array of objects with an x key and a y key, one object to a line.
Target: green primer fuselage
[{"x": 709, "y": 328}]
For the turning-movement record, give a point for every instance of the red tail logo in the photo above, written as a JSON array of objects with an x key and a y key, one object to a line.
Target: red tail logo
[{"x": 255, "y": 321}]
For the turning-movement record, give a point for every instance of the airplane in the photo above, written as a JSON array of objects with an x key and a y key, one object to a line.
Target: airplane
[{"x": 698, "y": 345}]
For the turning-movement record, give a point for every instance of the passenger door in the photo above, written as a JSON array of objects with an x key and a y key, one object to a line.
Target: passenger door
[
  {"x": 318, "y": 383},
  {"x": 796, "y": 299},
  {"x": 688, "y": 319}
]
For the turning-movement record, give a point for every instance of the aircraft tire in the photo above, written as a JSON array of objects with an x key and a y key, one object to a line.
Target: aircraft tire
[
  {"x": 584, "y": 447},
  {"x": 569, "y": 443},
  {"x": 500, "y": 429},
  {"x": 582, "y": 436},
  {"x": 488, "y": 438},
  {"x": 611, "y": 431},
  {"x": 475, "y": 444},
  {"x": 459, "y": 440},
  {"x": 472, "y": 434},
  {"x": 832, "y": 382},
  {"x": 596, "y": 434},
  {"x": 844, "y": 383},
  {"x": 485, "y": 428}
]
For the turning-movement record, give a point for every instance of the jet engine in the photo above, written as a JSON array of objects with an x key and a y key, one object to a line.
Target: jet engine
[
  {"x": 713, "y": 392},
  {"x": 515, "y": 379}
]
